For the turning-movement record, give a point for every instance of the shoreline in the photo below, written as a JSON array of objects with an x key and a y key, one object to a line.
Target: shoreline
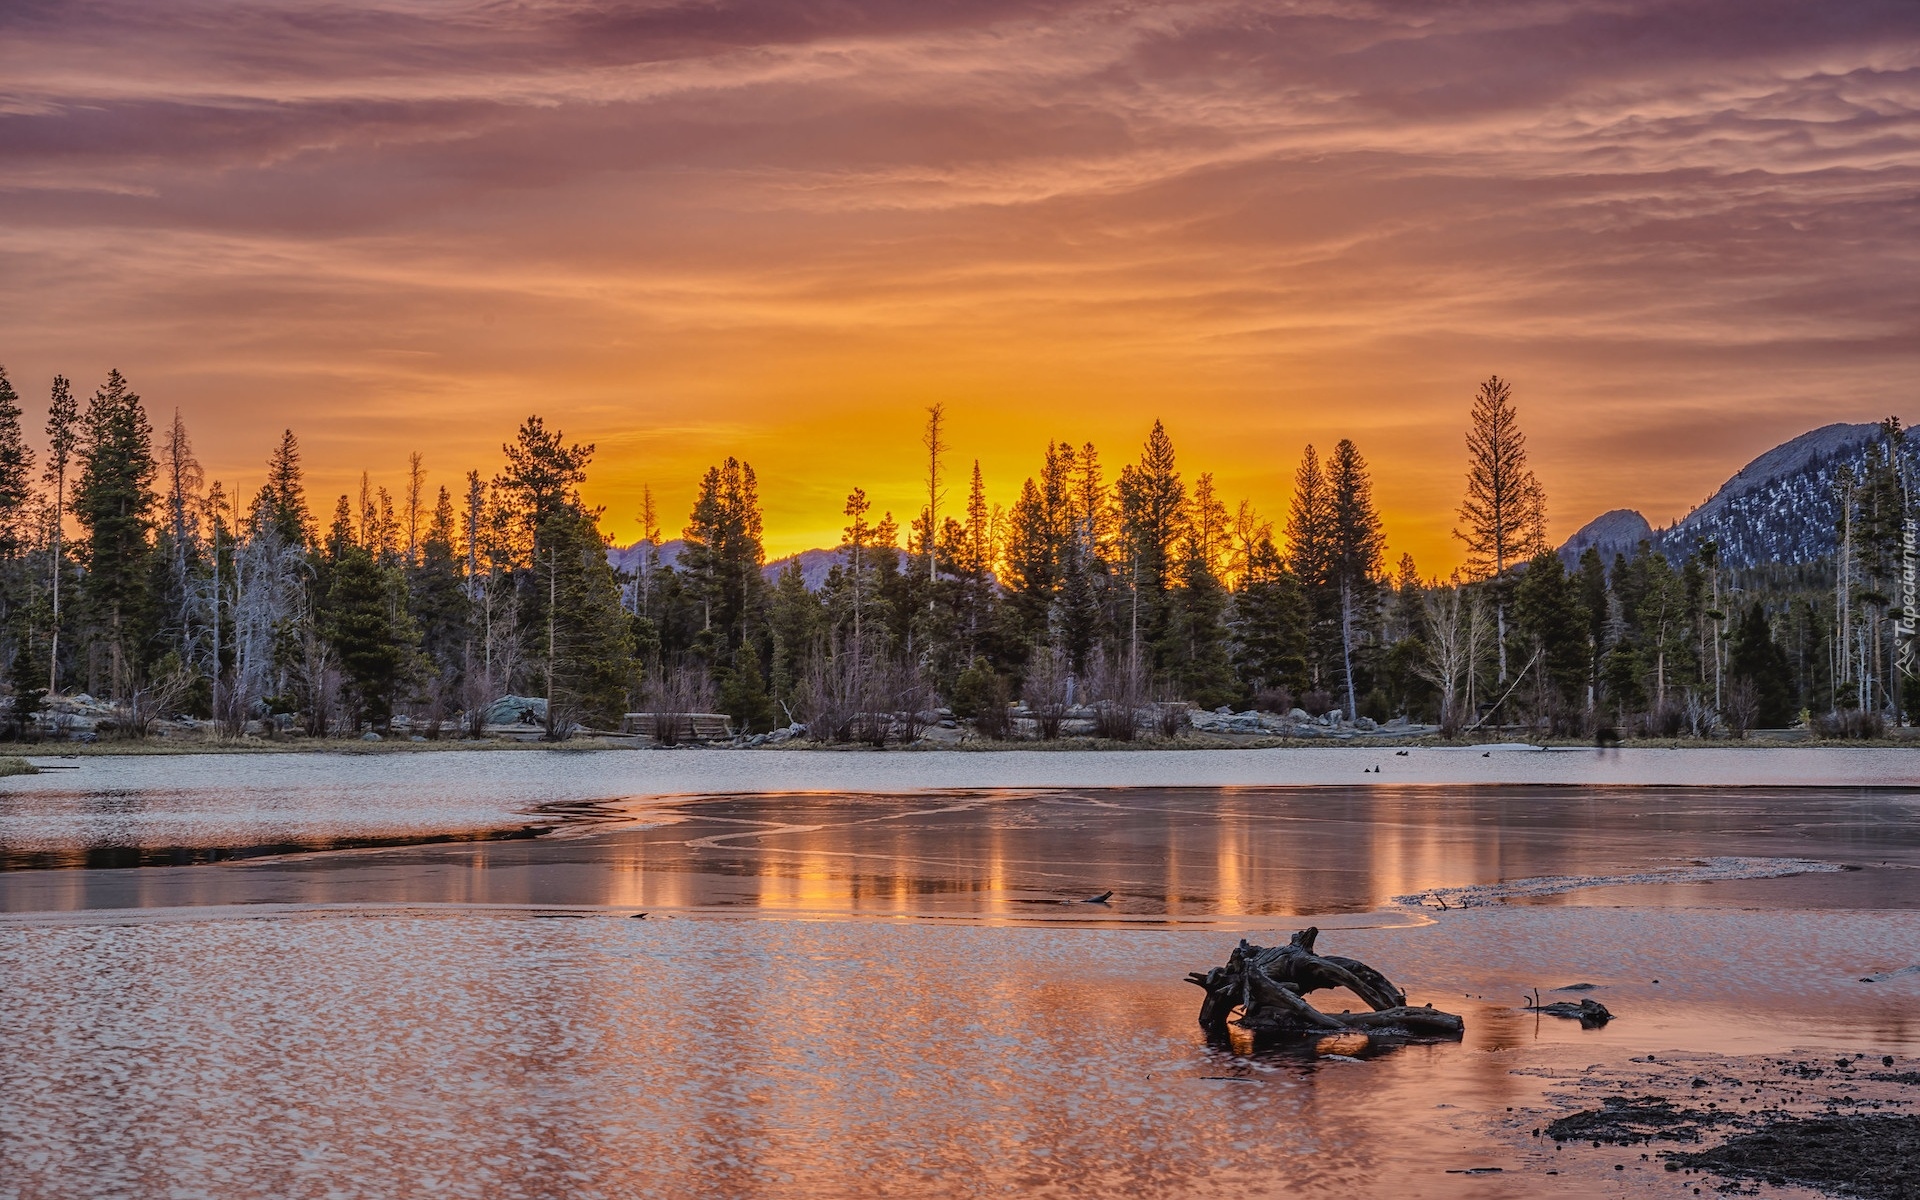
[
  {"x": 1769, "y": 740},
  {"x": 578, "y": 771}
]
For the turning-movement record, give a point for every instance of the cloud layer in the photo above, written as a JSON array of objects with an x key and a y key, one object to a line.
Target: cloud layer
[{"x": 1685, "y": 230}]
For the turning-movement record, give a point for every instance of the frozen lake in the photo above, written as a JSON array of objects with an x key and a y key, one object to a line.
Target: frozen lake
[
  {"x": 899, "y": 991},
  {"x": 126, "y": 810}
]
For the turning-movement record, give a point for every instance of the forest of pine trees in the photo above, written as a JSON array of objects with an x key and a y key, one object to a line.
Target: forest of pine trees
[{"x": 1120, "y": 595}]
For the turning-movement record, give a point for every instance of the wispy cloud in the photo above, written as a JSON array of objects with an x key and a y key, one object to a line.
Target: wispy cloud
[{"x": 1687, "y": 230}]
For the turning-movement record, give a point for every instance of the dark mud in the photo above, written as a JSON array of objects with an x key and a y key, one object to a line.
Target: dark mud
[
  {"x": 1875, "y": 1157},
  {"x": 1624, "y": 1121},
  {"x": 1826, "y": 1126}
]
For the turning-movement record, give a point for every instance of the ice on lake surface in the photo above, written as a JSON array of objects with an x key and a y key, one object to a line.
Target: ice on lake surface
[
  {"x": 197, "y": 806},
  {"x": 904, "y": 994}
]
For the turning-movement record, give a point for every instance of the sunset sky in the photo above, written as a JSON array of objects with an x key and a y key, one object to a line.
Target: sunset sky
[{"x": 781, "y": 228}]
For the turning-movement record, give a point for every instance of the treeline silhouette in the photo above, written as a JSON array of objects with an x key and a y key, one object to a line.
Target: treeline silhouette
[{"x": 1119, "y": 598}]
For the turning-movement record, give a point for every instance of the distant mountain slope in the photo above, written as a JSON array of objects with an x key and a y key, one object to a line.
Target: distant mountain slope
[
  {"x": 627, "y": 558},
  {"x": 1778, "y": 508},
  {"x": 1611, "y": 532},
  {"x": 814, "y": 564}
]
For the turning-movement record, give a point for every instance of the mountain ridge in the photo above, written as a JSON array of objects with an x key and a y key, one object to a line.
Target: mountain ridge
[{"x": 1780, "y": 507}]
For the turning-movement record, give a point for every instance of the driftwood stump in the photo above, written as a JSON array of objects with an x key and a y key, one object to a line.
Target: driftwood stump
[{"x": 1269, "y": 985}]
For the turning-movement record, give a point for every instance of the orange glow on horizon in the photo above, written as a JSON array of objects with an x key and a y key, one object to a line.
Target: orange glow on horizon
[{"x": 684, "y": 232}]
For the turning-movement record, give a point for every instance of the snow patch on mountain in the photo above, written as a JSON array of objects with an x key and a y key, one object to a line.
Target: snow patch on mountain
[{"x": 1781, "y": 507}]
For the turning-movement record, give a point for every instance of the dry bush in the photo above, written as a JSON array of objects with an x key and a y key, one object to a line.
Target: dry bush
[
  {"x": 1664, "y": 719},
  {"x": 1274, "y": 700},
  {"x": 162, "y": 694},
  {"x": 1118, "y": 692},
  {"x": 1702, "y": 721},
  {"x": 1850, "y": 723},
  {"x": 993, "y": 719},
  {"x": 1742, "y": 704},
  {"x": 671, "y": 694},
  {"x": 1046, "y": 689},
  {"x": 1317, "y": 703}
]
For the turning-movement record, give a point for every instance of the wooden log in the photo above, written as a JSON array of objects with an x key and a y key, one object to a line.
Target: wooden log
[
  {"x": 1422, "y": 1020},
  {"x": 1268, "y": 986},
  {"x": 1296, "y": 963}
]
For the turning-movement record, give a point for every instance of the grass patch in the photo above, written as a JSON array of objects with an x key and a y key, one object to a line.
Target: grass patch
[{"x": 13, "y": 765}]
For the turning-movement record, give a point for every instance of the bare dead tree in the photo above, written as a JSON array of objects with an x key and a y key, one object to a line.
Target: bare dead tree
[{"x": 1455, "y": 640}]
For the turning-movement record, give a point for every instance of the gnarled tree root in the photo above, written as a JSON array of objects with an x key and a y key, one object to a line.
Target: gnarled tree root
[{"x": 1269, "y": 985}]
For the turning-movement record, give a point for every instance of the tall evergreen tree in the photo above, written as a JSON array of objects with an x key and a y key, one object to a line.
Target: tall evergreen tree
[
  {"x": 366, "y": 619},
  {"x": 723, "y": 554},
  {"x": 282, "y": 502},
  {"x": 1354, "y": 548},
  {"x": 180, "y": 555},
  {"x": 1269, "y": 623},
  {"x": 1505, "y": 508},
  {"x": 16, "y": 475},
  {"x": 1310, "y": 558},
  {"x": 794, "y": 620},
  {"x": 113, "y": 501},
  {"x": 1596, "y": 609},
  {"x": 63, "y": 438},
  {"x": 1038, "y": 528},
  {"x": 439, "y": 600},
  {"x": 585, "y": 647},
  {"x": 1153, "y": 511},
  {"x": 542, "y": 479},
  {"x": 1758, "y": 660},
  {"x": 1547, "y": 615}
]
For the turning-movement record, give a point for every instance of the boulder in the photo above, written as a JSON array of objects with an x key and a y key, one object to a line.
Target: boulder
[{"x": 517, "y": 710}]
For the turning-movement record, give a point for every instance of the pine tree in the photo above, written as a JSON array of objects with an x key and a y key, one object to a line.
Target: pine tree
[
  {"x": 1548, "y": 616},
  {"x": 1153, "y": 510},
  {"x": 649, "y": 564},
  {"x": 1269, "y": 623},
  {"x": 1596, "y": 609},
  {"x": 583, "y": 642},
  {"x": 1198, "y": 651},
  {"x": 282, "y": 502},
  {"x": 1760, "y": 662},
  {"x": 794, "y": 620},
  {"x": 723, "y": 553},
  {"x": 365, "y": 618},
  {"x": 542, "y": 479},
  {"x": 1354, "y": 548},
  {"x": 1309, "y": 557},
  {"x": 1032, "y": 570},
  {"x": 439, "y": 600},
  {"x": 63, "y": 438},
  {"x": 743, "y": 693},
  {"x": 927, "y": 527},
  {"x": 1505, "y": 510},
  {"x": 179, "y": 553},
  {"x": 16, "y": 472},
  {"x": 416, "y": 485},
  {"x": 113, "y": 501}
]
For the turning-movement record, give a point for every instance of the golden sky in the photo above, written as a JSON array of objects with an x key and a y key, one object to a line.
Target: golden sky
[{"x": 781, "y": 228}]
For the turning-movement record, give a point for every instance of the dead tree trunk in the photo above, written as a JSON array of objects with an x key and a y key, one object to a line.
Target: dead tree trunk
[{"x": 1269, "y": 986}]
